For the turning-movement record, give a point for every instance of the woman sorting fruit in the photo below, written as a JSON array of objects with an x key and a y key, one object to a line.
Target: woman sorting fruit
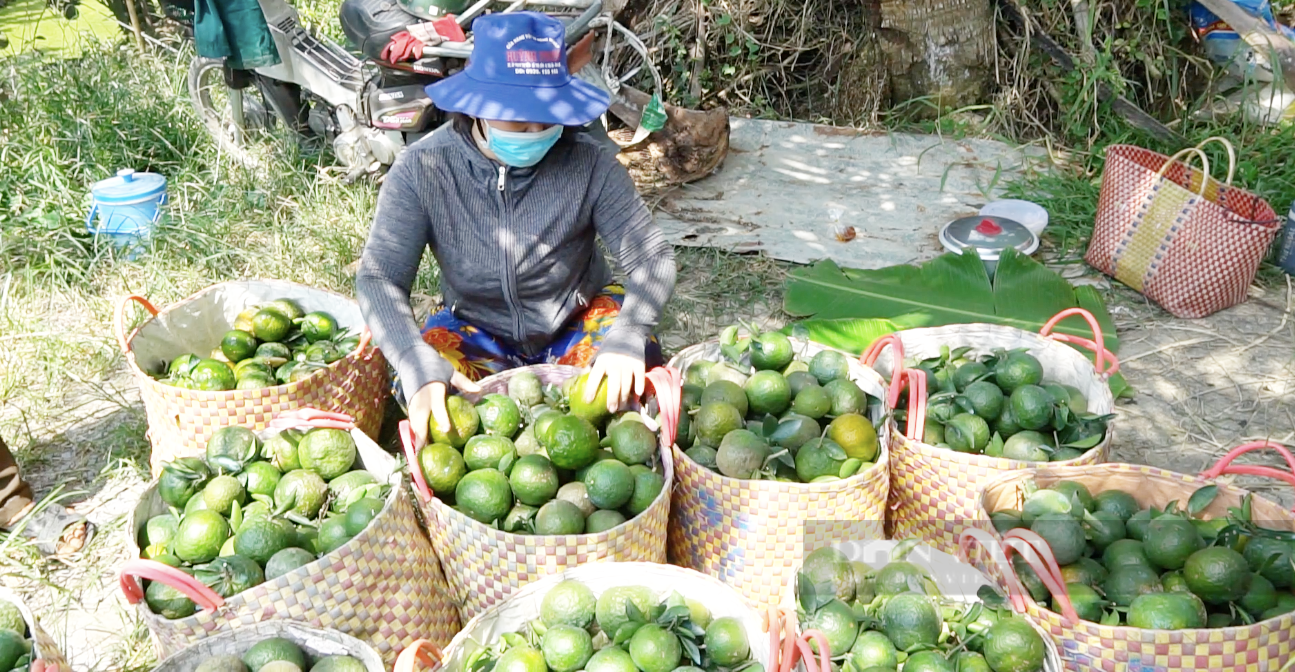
[{"x": 511, "y": 198}]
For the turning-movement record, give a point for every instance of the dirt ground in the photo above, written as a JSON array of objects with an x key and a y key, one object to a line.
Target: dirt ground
[{"x": 1203, "y": 387}]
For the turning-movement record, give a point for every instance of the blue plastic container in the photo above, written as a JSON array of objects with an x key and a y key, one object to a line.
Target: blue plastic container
[
  {"x": 128, "y": 205},
  {"x": 1286, "y": 242}
]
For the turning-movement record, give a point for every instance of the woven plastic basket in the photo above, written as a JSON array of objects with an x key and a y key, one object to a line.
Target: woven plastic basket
[
  {"x": 316, "y": 643},
  {"x": 955, "y": 576},
  {"x": 384, "y": 587},
  {"x": 485, "y": 565},
  {"x": 751, "y": 534},
  {"x": 524, "y": 606},
  {"x": 934, "y": 491},
  {"x": 181, "y": 420},
  {"x": 44, "y": 648},
  {"x": 1265, "y": 646}
]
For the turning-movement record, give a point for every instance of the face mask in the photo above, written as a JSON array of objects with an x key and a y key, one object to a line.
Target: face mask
[{"x": 521, "y": 150}]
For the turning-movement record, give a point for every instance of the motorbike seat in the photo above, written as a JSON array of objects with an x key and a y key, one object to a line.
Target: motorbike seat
[{"x": 369, "y": 25}]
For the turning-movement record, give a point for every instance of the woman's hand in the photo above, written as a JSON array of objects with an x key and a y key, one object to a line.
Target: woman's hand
[
  {"x": 625, "y": 375},
  {"x": 429, "y": 402}
]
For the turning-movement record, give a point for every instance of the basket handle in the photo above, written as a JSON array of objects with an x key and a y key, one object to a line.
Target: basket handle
[
  {"x": 121, "y": 318},
  {"x": 972, "y": 536},
  {"x": 869, "y": 357},
  {"x": 312, "y": 418},
  {"x": 824, "y": 651},
  {"x": 1038, "y": 555},
  {"x": 668, "y": 384},
  {"x": 1205, "y": 166},
  {"x": 365, "y": 337},
  {"x": 411, "y": 456},
  {"x": 422, "y": 654},
  {"x": 780, "y": 623},
  {"x": 133, "y": 570},
  {"x": 1098, "y": 345},
  {"x": 1232, "y": 154},
  {"x": 916, "y": 404},
  {"x": 1225, "y": 466}
]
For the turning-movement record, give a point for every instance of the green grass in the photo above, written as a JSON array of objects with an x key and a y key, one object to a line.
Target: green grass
[{"x": 32, "y": 25}]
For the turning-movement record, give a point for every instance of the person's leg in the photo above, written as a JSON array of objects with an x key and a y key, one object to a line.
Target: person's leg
[
  {"x": 15, "y": 493},
  {"x": 473, "y": 352},
  {"x": 54, "y": 528},
  {"x": 578, "y": 343}
]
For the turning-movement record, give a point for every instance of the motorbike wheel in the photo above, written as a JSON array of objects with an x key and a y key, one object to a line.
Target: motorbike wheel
[
  {"x": 70, "y": 11},
  {"x": 212, "y": 98}
]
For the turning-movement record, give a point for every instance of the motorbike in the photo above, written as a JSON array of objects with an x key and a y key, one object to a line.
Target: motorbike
[{"x": 369, "y": 109}]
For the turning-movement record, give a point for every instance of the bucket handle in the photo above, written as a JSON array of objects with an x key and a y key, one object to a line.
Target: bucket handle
[
  {"x": 916, "y": 428},
  {"x": 1225, "y": 466},
  {"x": 667, "y": 382},
  {"x": 1038, "y": 555},
  {"x": 869, "y": 357},
  {"x": 422, "y": 654},
  {"x": 972, "y": 536},
  {"x": 312, "y": 418},
  {"x": 1097, "y": 346},
  {"x": 406, "y": 432},
  {"x": 133, "y": 570},
  {"x": 121, "y": 318}
]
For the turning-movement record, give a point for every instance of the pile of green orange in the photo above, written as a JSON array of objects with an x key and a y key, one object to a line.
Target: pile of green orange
[
  {"x": 1154, "y": 568},
  {"x": 895, "y": 617},
  {"x": 765, "y": 414},
  {"x": 1000, "y": 406},
  {"x": 251, "y": 512},
  {"x": 279, "y": 654},
  {"x": 543, "y": 461},
  {"x": 15, "y": 646},
  {"x": 274, "y": 344},
  {"x": 625, "y": 629}
]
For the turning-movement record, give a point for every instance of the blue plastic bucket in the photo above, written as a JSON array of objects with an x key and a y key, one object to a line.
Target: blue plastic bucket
[
  {"x": 1286, "y": 242},
  {"x": 128, "y": 206}
]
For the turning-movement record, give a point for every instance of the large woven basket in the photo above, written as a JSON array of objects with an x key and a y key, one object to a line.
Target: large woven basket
[
  {"x": 934, "y": 491},
  {"x": 316, "y": 643},
  {"x": 1266, "y": 646},
  {"x": 181, "y": 420},
  {"x": 485, "y": 565},
  {"x": 44, "y": 647},
  {"x": 524, "y": 606},
  {"x": 384, "y": 587},
  {"x": 751, "y": 534},
  {"x": 957, "y": 578}
]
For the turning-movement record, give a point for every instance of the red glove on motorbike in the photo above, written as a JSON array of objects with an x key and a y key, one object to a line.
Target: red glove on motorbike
[{"x": 402, "y": 47}]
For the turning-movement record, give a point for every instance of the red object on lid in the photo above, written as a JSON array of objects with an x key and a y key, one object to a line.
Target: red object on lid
[{"x": 988, "y": 228}]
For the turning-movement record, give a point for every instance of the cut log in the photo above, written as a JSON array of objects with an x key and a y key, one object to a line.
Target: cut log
[{"x": 690, "y": 146}]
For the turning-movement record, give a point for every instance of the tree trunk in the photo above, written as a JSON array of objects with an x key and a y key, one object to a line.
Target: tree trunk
[{"x": 942, "y": 50}]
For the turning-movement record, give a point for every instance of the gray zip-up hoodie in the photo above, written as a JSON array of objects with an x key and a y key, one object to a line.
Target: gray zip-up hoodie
[{"x": 516, "y": 248}]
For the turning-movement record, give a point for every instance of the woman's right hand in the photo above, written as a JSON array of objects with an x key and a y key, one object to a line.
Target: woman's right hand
[{"x": 429, "y": 403}]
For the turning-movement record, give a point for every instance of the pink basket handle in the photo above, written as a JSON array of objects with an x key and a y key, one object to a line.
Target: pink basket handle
[
  {"x": 1038, "y": 555},
  {"x": 312, "y": 418},
  {"x": 121, "y": 318},
  {"x": 824, "y": 651},
  {"x": 1097, "y": 346},
  {"x": 133, "y": 570},
  {"x": 667, "y": 382},
  {"x": 916, "y": 428},
  {"x": 869, "y": 357},
  {"x": 970, "y": 537},
  {"x": 780, "y": 623},
  {"x": 1225, "y": 466},
  {"x": 422, "y": 654},
  {"x": 411, "y": 456}
]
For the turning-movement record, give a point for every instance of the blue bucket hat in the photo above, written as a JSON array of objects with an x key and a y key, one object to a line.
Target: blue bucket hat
[{"x": 518, "y": 72}]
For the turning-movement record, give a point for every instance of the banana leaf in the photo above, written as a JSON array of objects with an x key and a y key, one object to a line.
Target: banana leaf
[{"x": 849, "y": 308}]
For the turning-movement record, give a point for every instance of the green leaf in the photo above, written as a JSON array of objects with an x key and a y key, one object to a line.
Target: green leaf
[
  {"x": 674, "y": 614},
  {"x": 769, "y": 426},
  {"x": 633, "y": 613},
  {"x": 1085, "y": 444},
  {"x": 235, "y": 516},
  {"x": 786, "y": 429},
  {"x": 728, "y": 336},
  {"x": 731, "y": 352},
  {"x": 625, "y": 632},
  {"x": 691, "y": 650},
  {"x": 950, "y": 289},
  {"x": 835, "y": 451},
  {"x": 851, "y": 335},
  {"x": 991, "y": 598},
  {"x": 1111, "y": 618},
  {"x": 1202, "y": 498}
]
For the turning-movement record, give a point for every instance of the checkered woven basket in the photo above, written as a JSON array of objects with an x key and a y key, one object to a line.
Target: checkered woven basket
[
  {"x": 316, "y": 643},
  {"x": 1266, "y": 646},
  {"x": 181, "y": 420},
  {"x": 485, "y": 565},
  {"x": 384, "y": 587},
  {"x": 43, "y": 646},
  {"x": 512, "y": 614},
  {"x": 934, "y": 491},
  {"x": 751, "y": 534},
  {"x": 1182, "y": 238}
]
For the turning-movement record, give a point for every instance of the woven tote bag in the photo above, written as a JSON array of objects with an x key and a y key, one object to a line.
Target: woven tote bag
[
  {"x": 751, "y": 534},
  {"x": 485, "y": 565},
  {"x": 523, "y": 606},
  {"x": 181, "y": 420},
  {"x": 1264, "y": 646},
  {"x": 935, "y": 491},
  {"x": 316, "y": 643},
  {"x": 44, "y": 649},
  {"x": 1183, "y": 239},
  {"x": 384, "y": 587}
]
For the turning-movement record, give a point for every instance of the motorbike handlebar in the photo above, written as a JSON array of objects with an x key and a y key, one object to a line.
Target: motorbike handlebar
[{"x": 577, "y": 29}]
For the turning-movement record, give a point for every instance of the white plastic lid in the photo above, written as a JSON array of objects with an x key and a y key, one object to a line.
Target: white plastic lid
[{"x": 1029, "y": 213}]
